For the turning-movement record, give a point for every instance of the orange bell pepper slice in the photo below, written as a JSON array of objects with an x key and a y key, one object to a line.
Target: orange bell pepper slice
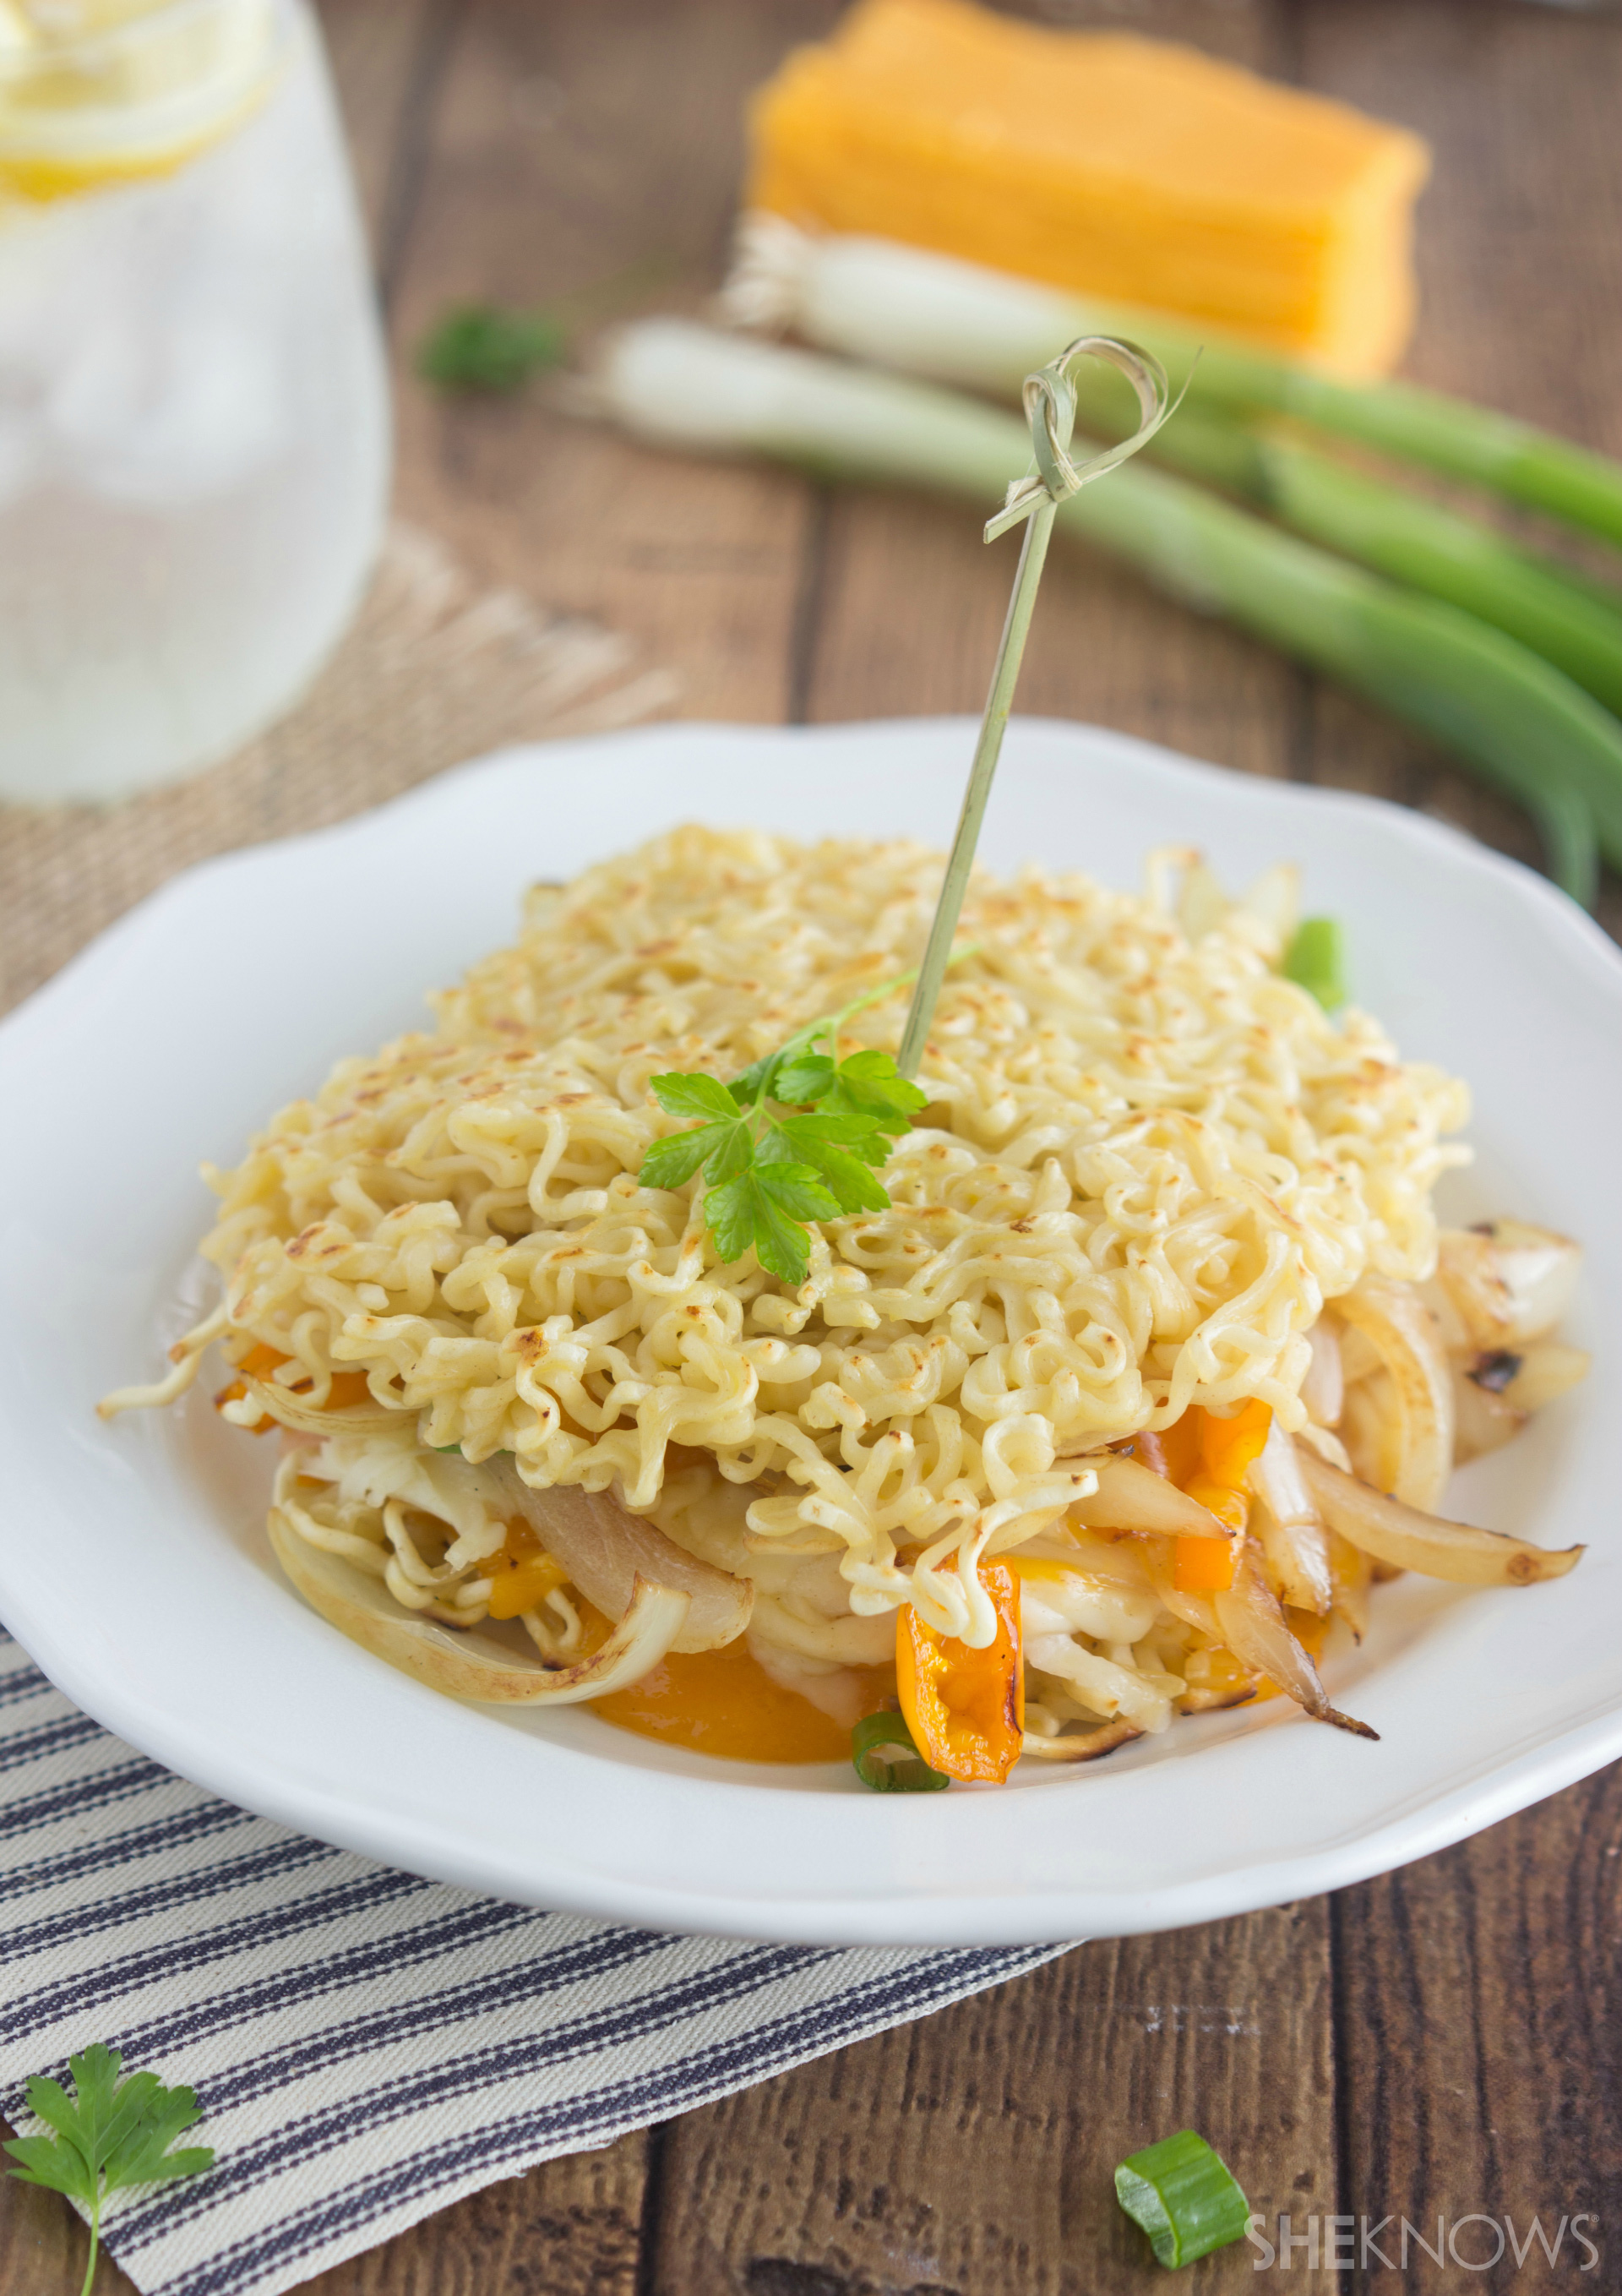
[
  {"x": 1211, "y": 1458},
  {"x": 1228, "y": 1447},
  {"x": 965, "y": 1707},
  {"x": 348, "y": 1389},
  {"x": 523, "y": 1574},
  {"x": 258, "y": 1363},
  {"x": 1204, "y": 1566}
]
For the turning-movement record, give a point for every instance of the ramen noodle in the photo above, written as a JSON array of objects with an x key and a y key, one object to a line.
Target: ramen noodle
[{"x": 1157, "y": 1198}]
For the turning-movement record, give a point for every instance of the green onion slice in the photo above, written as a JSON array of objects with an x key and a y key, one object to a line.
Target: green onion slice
[
  {"x": 1183, "y": 2196},
  {"x": 1316, "y": 961},
  {"x": 886, "y": 1759}
]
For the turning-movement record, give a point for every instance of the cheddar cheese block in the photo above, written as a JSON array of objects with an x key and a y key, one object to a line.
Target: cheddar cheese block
[{"x": 1115, "y": 166}]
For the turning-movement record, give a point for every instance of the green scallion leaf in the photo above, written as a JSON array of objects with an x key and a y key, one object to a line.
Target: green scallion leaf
[
  {"x": 1183, "y": 2196},
  {"x": 886, "y": 1759},
  {"x": 1314, "y": 961}
]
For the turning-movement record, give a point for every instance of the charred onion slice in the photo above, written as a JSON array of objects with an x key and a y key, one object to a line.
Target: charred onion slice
[
  {"x": 1131, "y": 1496},
  {"x": 1508, "y": 1280},
  {"x": 297, "y": 1413},
  {"x": 1254, "y": 1628},
  {"x": 605, "y": 1551},
  {"x": 1213, "y": 1701},
  {"x": 1397, "y": 1323},
  {"x": 1082, "y": 1745},
  {"x": 466, "y": 1665},
  {"x": 1287, "y": 1523},
  {"x": 1403, "y": 1535},
  {"x": 1323, "y": 1388},
  {"x": 1297, "y": 1555}
]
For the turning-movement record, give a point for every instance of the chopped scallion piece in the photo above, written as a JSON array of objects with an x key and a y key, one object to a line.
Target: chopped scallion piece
[
  {"x": 1316, "y": 961},
  {"x": 1183, "y": 2196},
  {"x": 886, "y": 1759}
]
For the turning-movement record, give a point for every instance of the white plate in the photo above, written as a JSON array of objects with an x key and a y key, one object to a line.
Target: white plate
[{"x": 133, "y": 1562}]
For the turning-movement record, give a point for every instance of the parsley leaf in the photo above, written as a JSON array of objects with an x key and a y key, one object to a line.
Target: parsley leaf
[
  {"x": 492, "y": 347},
  {"x": 802, "y": 1078},
  {"x": 763, "y": 1208},
  {"x": 869, "y": 1083},
  {"x": 111, "y": 2134},
  {"x": 768, "y": 1172},
  {"x": 801, "y": 1140},
  {"x": 720, "y": 1145},
  {"x": 681, "y": 1094}
]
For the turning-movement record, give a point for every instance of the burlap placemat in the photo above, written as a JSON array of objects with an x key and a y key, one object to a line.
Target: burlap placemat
[{"x": 435, "y": 669}]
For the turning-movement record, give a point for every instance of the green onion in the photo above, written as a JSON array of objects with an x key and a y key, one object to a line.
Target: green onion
[
  {"x": 1576, "y": 625},
  {"x": 886, "y": 1759},
  {"x": 1314, "y": 961},
  {"x": 1512, "y": 459},
  {"x": 1183, "y": 2196},
  {"x": 1513, "y": 717},
  {"x": 930, "y": 315}
]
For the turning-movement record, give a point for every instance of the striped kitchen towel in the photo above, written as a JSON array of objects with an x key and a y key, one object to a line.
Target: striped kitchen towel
[{"x": 366, "y": 2046}]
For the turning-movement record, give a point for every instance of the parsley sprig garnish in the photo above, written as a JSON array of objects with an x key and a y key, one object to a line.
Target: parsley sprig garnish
[
  {"x": 795, "y": 1138},
  {"x": 111, "y": 2134}
]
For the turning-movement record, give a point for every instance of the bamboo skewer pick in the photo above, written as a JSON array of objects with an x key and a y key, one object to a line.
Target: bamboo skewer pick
[{"x": 1050, "y": 408}]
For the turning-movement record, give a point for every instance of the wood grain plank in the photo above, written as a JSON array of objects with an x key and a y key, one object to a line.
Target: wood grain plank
[
  {"x": 377, "y": 51},
  {"x": 1477, "y": 1992},
  {"x": 1257, "y": 33},
  {"x": 973, "y": 2154},
  {"x": 571, "y": 144},
  {"x": 1520, "y": 301},
  {"x": 912, "y": 604},
  {"x": 43, "y": 2246},
  {"x": 1482, "y": 2032},
  {"x": 570, "y": 2227}
]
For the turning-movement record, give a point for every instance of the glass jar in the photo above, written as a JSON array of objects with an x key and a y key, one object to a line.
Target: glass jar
[{"x": 194, "y": 441}]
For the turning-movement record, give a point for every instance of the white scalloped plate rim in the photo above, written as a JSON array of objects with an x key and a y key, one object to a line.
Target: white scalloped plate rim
[{"x": 132, "y": 1565}]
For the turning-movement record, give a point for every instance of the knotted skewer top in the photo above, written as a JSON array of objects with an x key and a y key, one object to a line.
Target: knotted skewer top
[{"x": 1050, "y": 409}]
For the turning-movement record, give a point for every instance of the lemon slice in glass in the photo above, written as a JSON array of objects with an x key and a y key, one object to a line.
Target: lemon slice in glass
[{"x": 99, "y": 92}]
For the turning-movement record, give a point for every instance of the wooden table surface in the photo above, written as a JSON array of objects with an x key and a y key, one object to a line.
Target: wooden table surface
[{"x": 1446, "y": 2040}]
